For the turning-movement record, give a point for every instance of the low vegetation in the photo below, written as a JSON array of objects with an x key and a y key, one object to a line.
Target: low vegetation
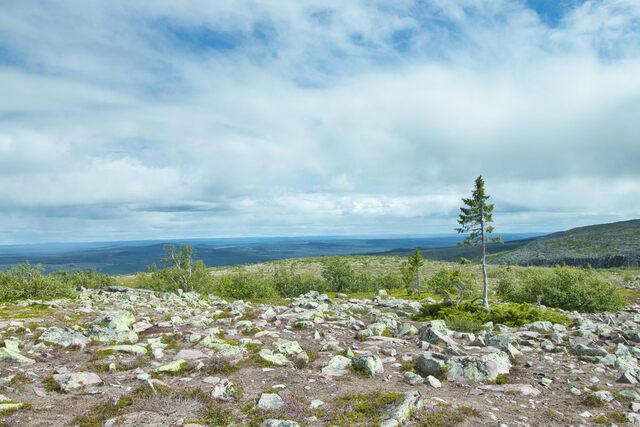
[
  {"x": 26, "y": 281},
  {"x": 567, "y": 288},
  {"x": 470, "y": 317}
]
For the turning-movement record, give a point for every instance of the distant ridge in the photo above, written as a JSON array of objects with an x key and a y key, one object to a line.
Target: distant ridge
[{"x": 615, "y": 244}]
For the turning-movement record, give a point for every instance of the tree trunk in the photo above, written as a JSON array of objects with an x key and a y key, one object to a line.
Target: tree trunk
[{"x": 485, "y": 279}]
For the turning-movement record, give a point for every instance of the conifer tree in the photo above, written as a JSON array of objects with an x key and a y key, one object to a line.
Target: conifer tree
[{"x": 475, "y": 219}]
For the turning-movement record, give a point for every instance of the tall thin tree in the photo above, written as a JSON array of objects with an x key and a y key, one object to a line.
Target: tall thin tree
[{"x": 475, "y": 219}]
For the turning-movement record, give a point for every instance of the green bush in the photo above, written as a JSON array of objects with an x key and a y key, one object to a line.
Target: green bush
[
  {"x": 25, "y": 281},
  {"x": 451, "y": 284},
  {"x": 569, "y": 288},
  {"x": 243, "y": 286},
  {"x": 85, "y": 279},
  {"x": 339, "y": 275},
  {"x": 289, "y": 284},
  {"x": 472, "y": 315}
]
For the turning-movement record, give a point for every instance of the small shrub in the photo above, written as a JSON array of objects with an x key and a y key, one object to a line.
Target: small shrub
[
  {"x": 568, "y": 288},
  {"x": 451, "y": 284},
  {"x": 26, "y": 281},
  {"x": 509, "y": 314}
]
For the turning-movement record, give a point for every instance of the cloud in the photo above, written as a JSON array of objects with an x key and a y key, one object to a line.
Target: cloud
[{"x": 183, "y": 119}]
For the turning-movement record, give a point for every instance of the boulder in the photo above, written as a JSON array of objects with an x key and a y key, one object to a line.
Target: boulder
[
  {"x": 76, "y": 381},
  {"x": 337, "y": 366},
  {"x": 64, "y": 337},
  {"x": 478, "y": 368},
  {"x": 270, "y": 402},
  {"x": 368, "y": 365},
  {"x": 277, "y": 359}
]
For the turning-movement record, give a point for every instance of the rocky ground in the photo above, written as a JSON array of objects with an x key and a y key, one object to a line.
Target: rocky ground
[{"x": 120, "y": 357}]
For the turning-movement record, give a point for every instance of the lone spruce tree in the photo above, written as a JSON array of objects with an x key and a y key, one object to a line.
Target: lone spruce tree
[
  {"x": 475, "y": 219},
  {"x": 411, "y": 272}
]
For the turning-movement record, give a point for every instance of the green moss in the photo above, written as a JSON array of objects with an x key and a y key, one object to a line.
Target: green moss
[
  {"x": 444, "y": 416},
  {"x": 50, "y": 384},
  {"x": 502, "y": 379},
  {"x": 362, "y": 409},
  {"x": 593, "y": 401}
]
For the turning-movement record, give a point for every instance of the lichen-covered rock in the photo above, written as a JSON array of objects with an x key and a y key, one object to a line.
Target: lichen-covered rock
[
  {"x": 402, "y": 412},
  {"x": 174, "y": 367},
  {"x": 113, "y": 327},
  {"x": 280, "y": 423},
  {"x": 436, "y": 332},
  {"x": 368, "y": 365},
  {"x": 224, "y": 390},
  {"x": 478, "y": 368},
  {"x": 277, "y": 359},
  {"x": 64, "y": 337},
  {"x": 137, "y": 350},
  {"x": 220, "y": 346},
  {"x": 76, "y": 381},
  {"x": 337, "y": 366},
  {"x": 430, "y": 364},
  {"x": 270, "y": 402},
  {"x": 11, "y": 351}
]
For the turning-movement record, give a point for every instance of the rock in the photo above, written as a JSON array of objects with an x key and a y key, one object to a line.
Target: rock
[
  {"x": 172, "y": 367},
  {"x": 224, "y": 390},
  {"x": 287, "y": 347},
  {"x": 190, "y": 354},
  {"x": 280, "y": 423},
  {"x": 113, "y": 327},
  {"x": 412, "y": 378},
  {"x": 368, "y": 365},
  {"x": 403, "y": 411},
  {"x": 376, "y": 329},
  {"x": 76, "y": 381},
  {"x": 430, "y": 364},
  {"x": 138, "y": 350},
  {"x": 337, "y": 366},
  {"x": 478, "y": 368},
  {"x": 407, "y": 329},
  {"x": 64, "y": 337},
  {"x": 276, "y": 359},
  {"x": 11, "y": 351},
  {"x": 434, "y": 382},
  {"x": 583, "y": 350},
  {"x": 521, "y": 389},
  {"x": 627, "y": 378},
  {"x": 436, "y": 332},
  {"x": 316, "y": 403},
  {"x": 270, "y": 402},
  {"x": 603, "y": 395},
  {"x": 546, "y": 381},
  {"x": 220, "y": 346}
]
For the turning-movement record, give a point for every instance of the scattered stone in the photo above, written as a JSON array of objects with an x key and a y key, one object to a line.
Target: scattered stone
[
  {"x": 76, "y": 381},
  {"x": 270, "y": 402},
  {"x": 64, "y": 337},
  {"x": 337, "y": 366}
]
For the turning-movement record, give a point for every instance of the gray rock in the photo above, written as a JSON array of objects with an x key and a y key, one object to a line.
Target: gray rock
[
  {"x": 270, "y": 402},
  {"x": 64, "y": 337},
  {"x": 113, "y": 327},
  {"x": 172, "y": 367},
  {"x": 369, "y": 365},
  {"x": 430, "y": 364},
  {"x": 280, "y": 423},
  {"x": 412, "y": 378},
  {"x": 76, "y": 381},
  {"x": 224, "y": 390},
  {"x": 337, "y": 366},
  {"x": 478, "y": 368},
  {"x": 277, "y": 359}
]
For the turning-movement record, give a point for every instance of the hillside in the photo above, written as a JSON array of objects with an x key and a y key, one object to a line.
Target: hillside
[{"x": 605, "y": 245}]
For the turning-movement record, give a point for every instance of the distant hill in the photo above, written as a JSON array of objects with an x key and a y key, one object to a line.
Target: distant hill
[{"x": 605, "y": 245}]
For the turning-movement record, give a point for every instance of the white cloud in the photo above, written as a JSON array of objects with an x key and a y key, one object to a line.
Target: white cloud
[{"x": 187, "y": 119}]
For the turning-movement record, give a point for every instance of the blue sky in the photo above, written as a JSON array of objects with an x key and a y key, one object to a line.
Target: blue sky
[{"x": 130, "y": 120}]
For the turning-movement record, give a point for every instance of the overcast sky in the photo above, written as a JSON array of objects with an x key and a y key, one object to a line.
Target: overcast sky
[{"x": 169, "y": 119}]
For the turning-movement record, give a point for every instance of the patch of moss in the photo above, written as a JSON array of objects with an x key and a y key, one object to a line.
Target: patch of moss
[
  {"x": 445, "y": 416},
  {"x": 502, "y": 379},
  {"x": 50, "y": 384},
  {"x": 593, "y": 401},
  {"x": 362, "y": 409}
]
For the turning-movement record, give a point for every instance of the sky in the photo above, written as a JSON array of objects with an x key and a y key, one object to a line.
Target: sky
[{"x": 171, "y": 119}]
